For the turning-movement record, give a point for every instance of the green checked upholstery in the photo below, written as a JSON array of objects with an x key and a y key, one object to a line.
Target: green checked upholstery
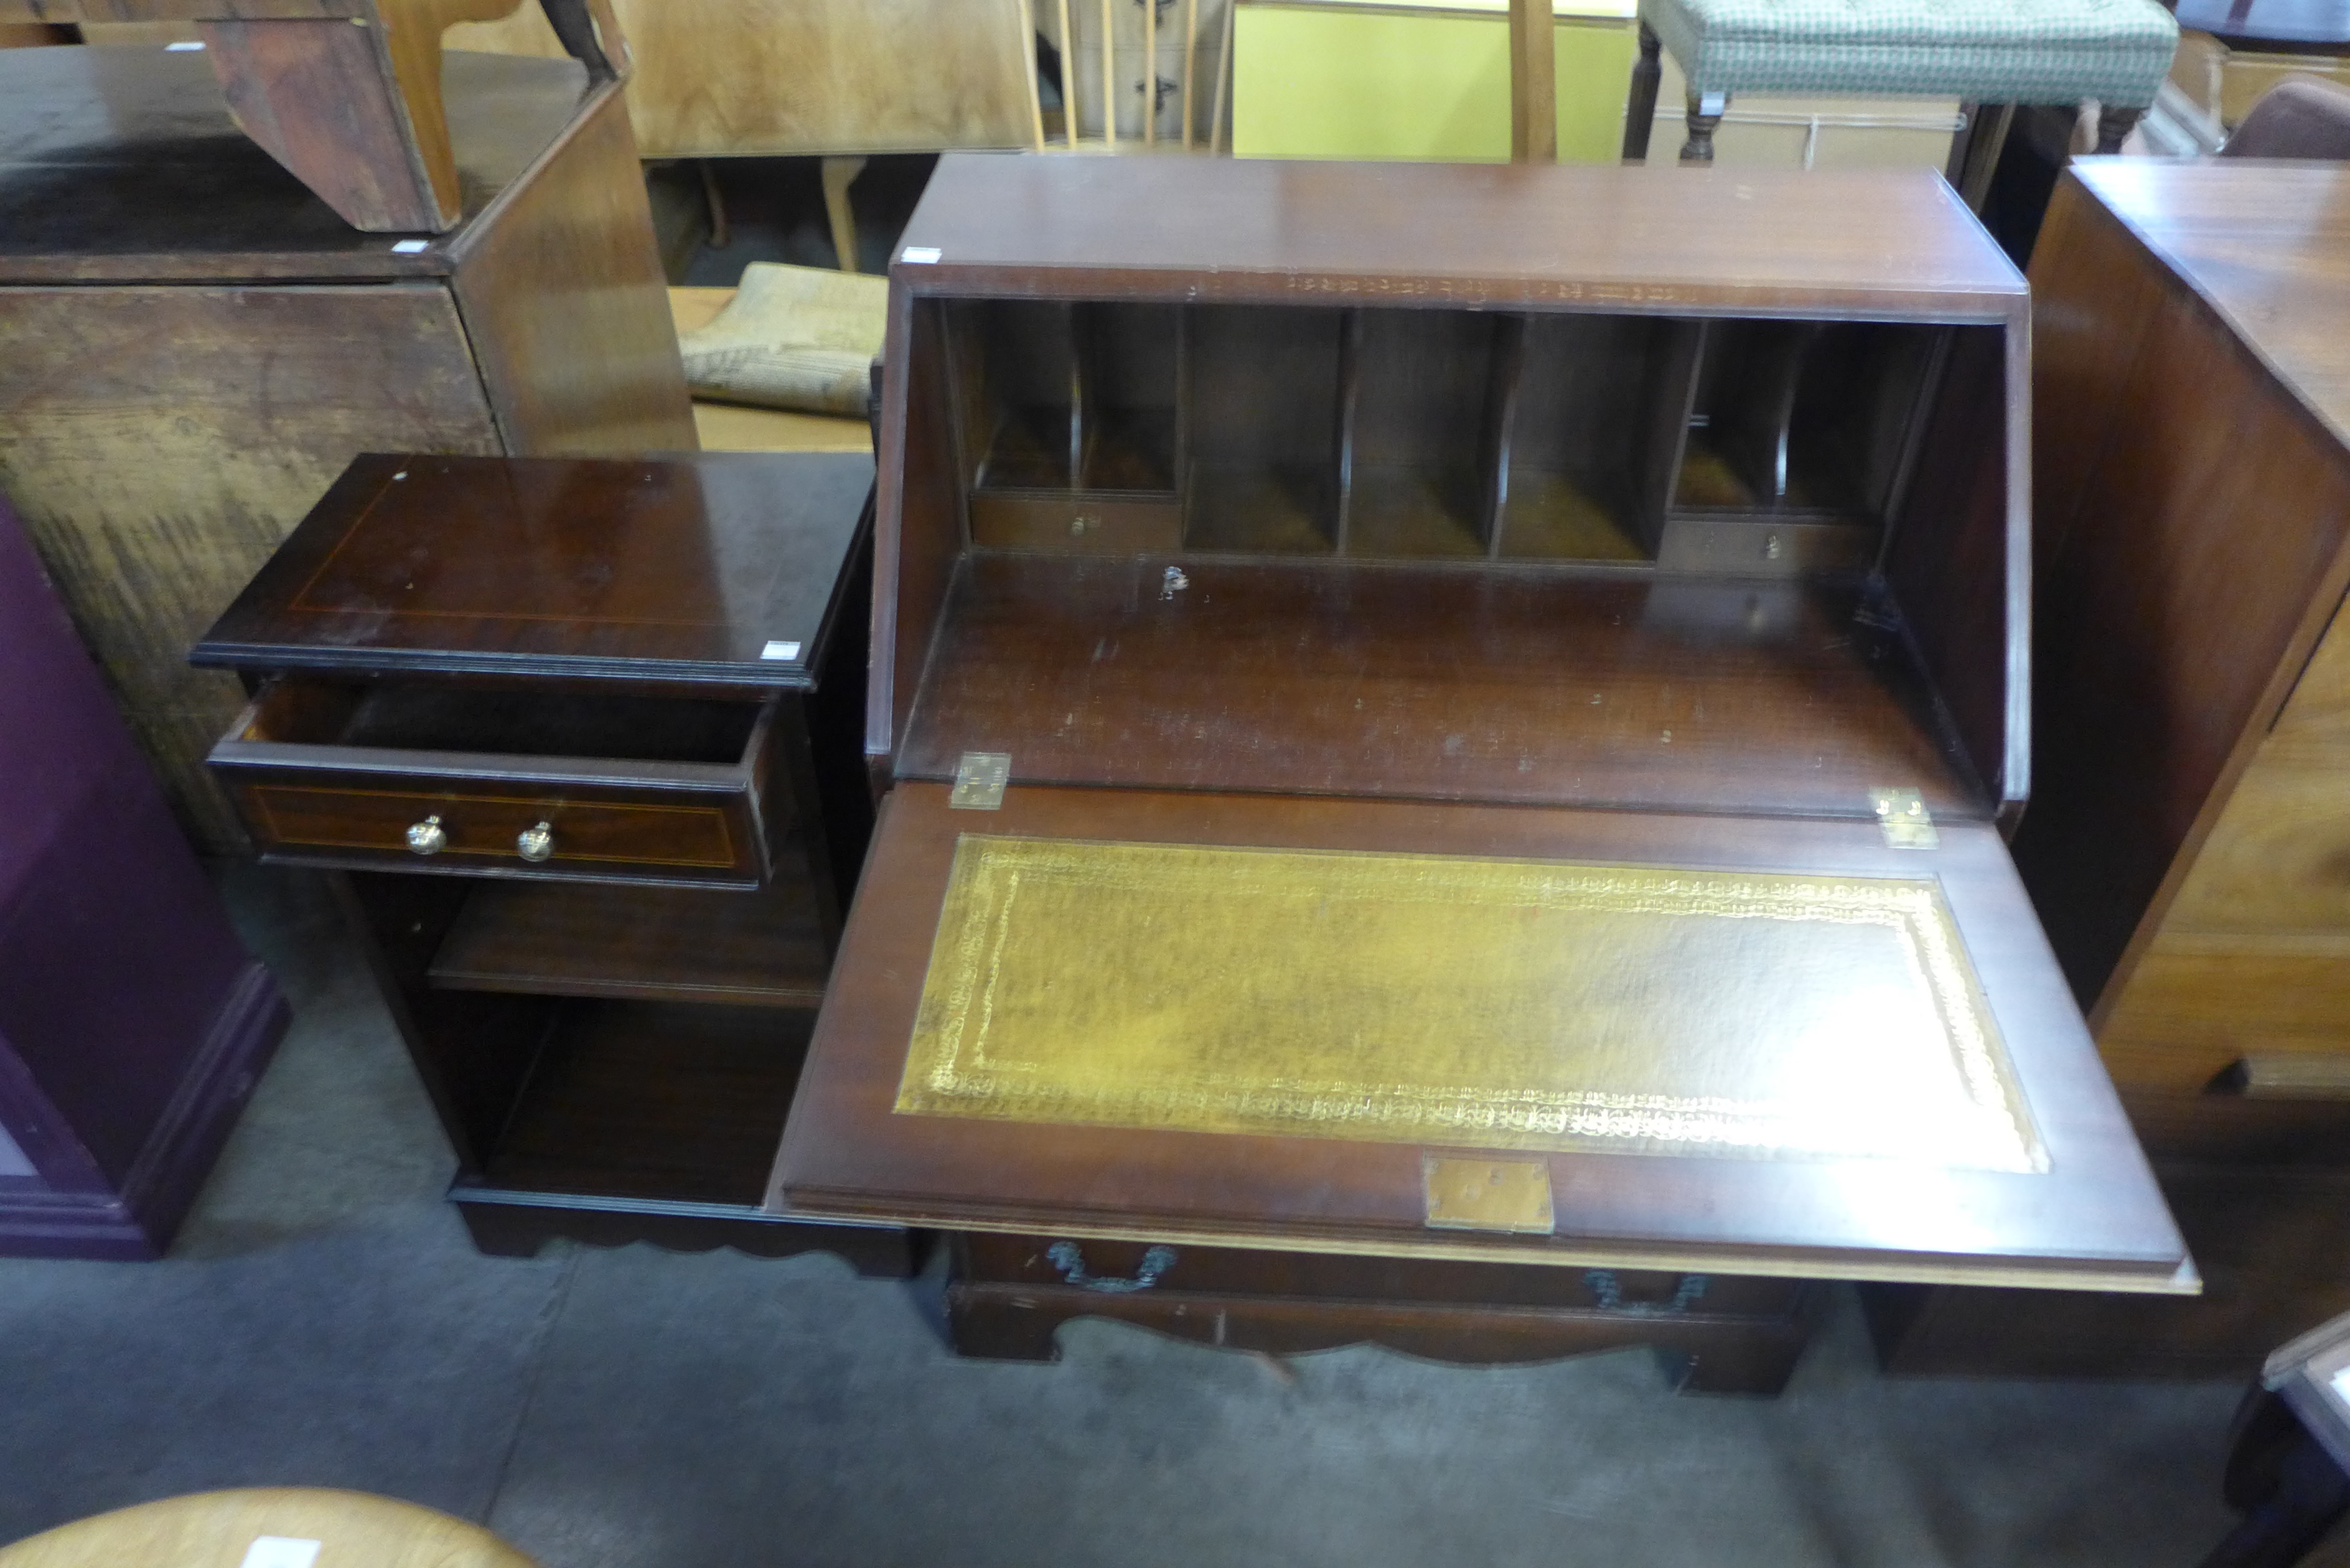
[{"x": 1985, "y": 51}]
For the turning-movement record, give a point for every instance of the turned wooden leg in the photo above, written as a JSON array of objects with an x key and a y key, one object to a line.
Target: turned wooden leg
[
  {"x": 840, "y": 174},
  {"x": 1705, "y": 112},
  {"x": 1640, "y": 108},
  {"x": 2113, "y": 126}
]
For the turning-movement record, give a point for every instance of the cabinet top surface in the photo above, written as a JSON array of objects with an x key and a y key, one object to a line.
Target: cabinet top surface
[
  {"x": 719, "y": 569},
  {"x": 1867, "y": 242},
  {"x": 122, "y": 162},
  {"x": 2264, "y": 243}
]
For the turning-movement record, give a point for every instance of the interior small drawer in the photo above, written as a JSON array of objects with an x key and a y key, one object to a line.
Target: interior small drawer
[
  {"x": 1074, "y": 522},
  {"x": 488, "y": 781}
]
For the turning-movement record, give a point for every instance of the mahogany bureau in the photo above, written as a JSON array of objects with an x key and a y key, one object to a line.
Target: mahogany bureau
[
  {"x": 1446, "y": 734},
  {"x": 576, "y": 743},
  {"x": 2188, "y": 843}
]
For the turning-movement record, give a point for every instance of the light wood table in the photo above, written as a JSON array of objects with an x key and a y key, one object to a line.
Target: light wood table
[
  {"x": 231, "y": 1529},
  {"x": 777, "y": 78}
]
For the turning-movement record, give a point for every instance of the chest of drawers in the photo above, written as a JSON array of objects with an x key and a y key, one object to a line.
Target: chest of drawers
[{"x": 2188, "y": 843}]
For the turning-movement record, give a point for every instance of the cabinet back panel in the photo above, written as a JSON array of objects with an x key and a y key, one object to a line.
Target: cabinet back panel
[
  {"x": 1424, "y": 380},
  {"x": 1264, "y": 427},
  {"x": 1591, "y": 423},
  {"x": 1016, "y": 377}
]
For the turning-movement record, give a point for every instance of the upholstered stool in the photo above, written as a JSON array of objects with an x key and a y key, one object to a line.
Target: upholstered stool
[{"x": 1984, "y": 51}]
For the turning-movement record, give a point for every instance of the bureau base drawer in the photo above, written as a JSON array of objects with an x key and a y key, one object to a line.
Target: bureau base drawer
[
  {"x": 1335, "y": 1276},
  {"x": 1717, "y": 1333}
]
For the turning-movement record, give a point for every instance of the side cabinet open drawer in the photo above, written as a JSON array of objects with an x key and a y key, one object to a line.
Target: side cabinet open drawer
[{"x": 481, "y": 780}]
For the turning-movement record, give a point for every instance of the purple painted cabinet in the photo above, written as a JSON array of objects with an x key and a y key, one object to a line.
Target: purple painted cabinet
[{"x": 132, "y": 1024}]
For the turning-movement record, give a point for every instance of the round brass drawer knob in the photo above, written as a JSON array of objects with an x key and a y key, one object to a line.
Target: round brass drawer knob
[
  {"x": 537, "y": 843},
  {"x": 427, "y": 837}
]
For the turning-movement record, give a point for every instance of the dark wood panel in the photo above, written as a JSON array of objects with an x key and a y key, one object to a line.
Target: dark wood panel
[
  {"x": 1863, "y": 240},
  {"x": 122, "y": 163},
  {"x": 568, "y": 306},
  {"x": 921, "y": 502},
  {"x": 1539, "y": 688},
  {"x": 642, "y": 1099},
  {"x": 2167, "y": 644},
  {"x": 1958, "y": 553},
  {"x": 763, "y": 949},
  {"x": 847, "y": 1152}
]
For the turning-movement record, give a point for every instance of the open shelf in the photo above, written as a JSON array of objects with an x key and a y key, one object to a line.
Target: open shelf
[
  {"x": 1803, "y": 417},
  {"x": 653, "y": 1100},
  {"x": 523, "y": 721},
  {"x": 1428, "y": 681},
  {"x": 1059, "y": 396},
  {"x": 763, "y": 948}
]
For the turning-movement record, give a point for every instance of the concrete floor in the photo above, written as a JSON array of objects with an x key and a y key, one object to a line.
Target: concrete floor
[{"x": 324, "y": 1322}]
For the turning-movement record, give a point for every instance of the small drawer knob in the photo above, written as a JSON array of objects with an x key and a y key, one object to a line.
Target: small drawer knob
[
  {"x": 427, "y": 837},
  {"x": 536, "y": 844}
]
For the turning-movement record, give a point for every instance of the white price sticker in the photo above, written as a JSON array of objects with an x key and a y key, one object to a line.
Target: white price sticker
[{"x": 280, "y": 1551}]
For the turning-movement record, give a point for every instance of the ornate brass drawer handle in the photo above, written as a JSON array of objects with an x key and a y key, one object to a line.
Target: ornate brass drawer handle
[
  {"x": 1071, "y": 1261},
  {"x": 428, "y": 836},
  {"x": 1607, "y": 1294},
  {"x": 536, "y": 844}
]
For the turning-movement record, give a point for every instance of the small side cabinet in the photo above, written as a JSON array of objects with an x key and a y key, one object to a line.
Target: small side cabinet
[
  {"x": 132, "y": 1024},
  {"x": 578, "y": 742}
]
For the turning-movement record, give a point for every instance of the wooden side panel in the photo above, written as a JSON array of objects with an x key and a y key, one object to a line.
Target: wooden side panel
[
  {"x": 770, "y": 78},
  {"x": 563, "y": 295},
  {"x": 1954, "y": 559},
  {"x": 2199, "y": 566},
  {"x": 2093, "y": 297},
  {"x": 159, "y": 441},
  {"x": 318, "y": 95},
  {"x": 918, "y": 532}
]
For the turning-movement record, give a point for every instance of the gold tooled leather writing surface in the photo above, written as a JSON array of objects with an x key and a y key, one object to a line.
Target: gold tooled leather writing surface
[{"x": 1468, "y": 1002}]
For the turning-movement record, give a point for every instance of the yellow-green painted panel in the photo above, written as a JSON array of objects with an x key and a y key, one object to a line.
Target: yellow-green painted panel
[{"x": 1325, "y": 82}]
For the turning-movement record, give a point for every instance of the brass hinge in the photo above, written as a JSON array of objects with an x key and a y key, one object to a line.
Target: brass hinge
[
  {"x": 979, "y": 779},
  {"x": 1901, "y": 813}
]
